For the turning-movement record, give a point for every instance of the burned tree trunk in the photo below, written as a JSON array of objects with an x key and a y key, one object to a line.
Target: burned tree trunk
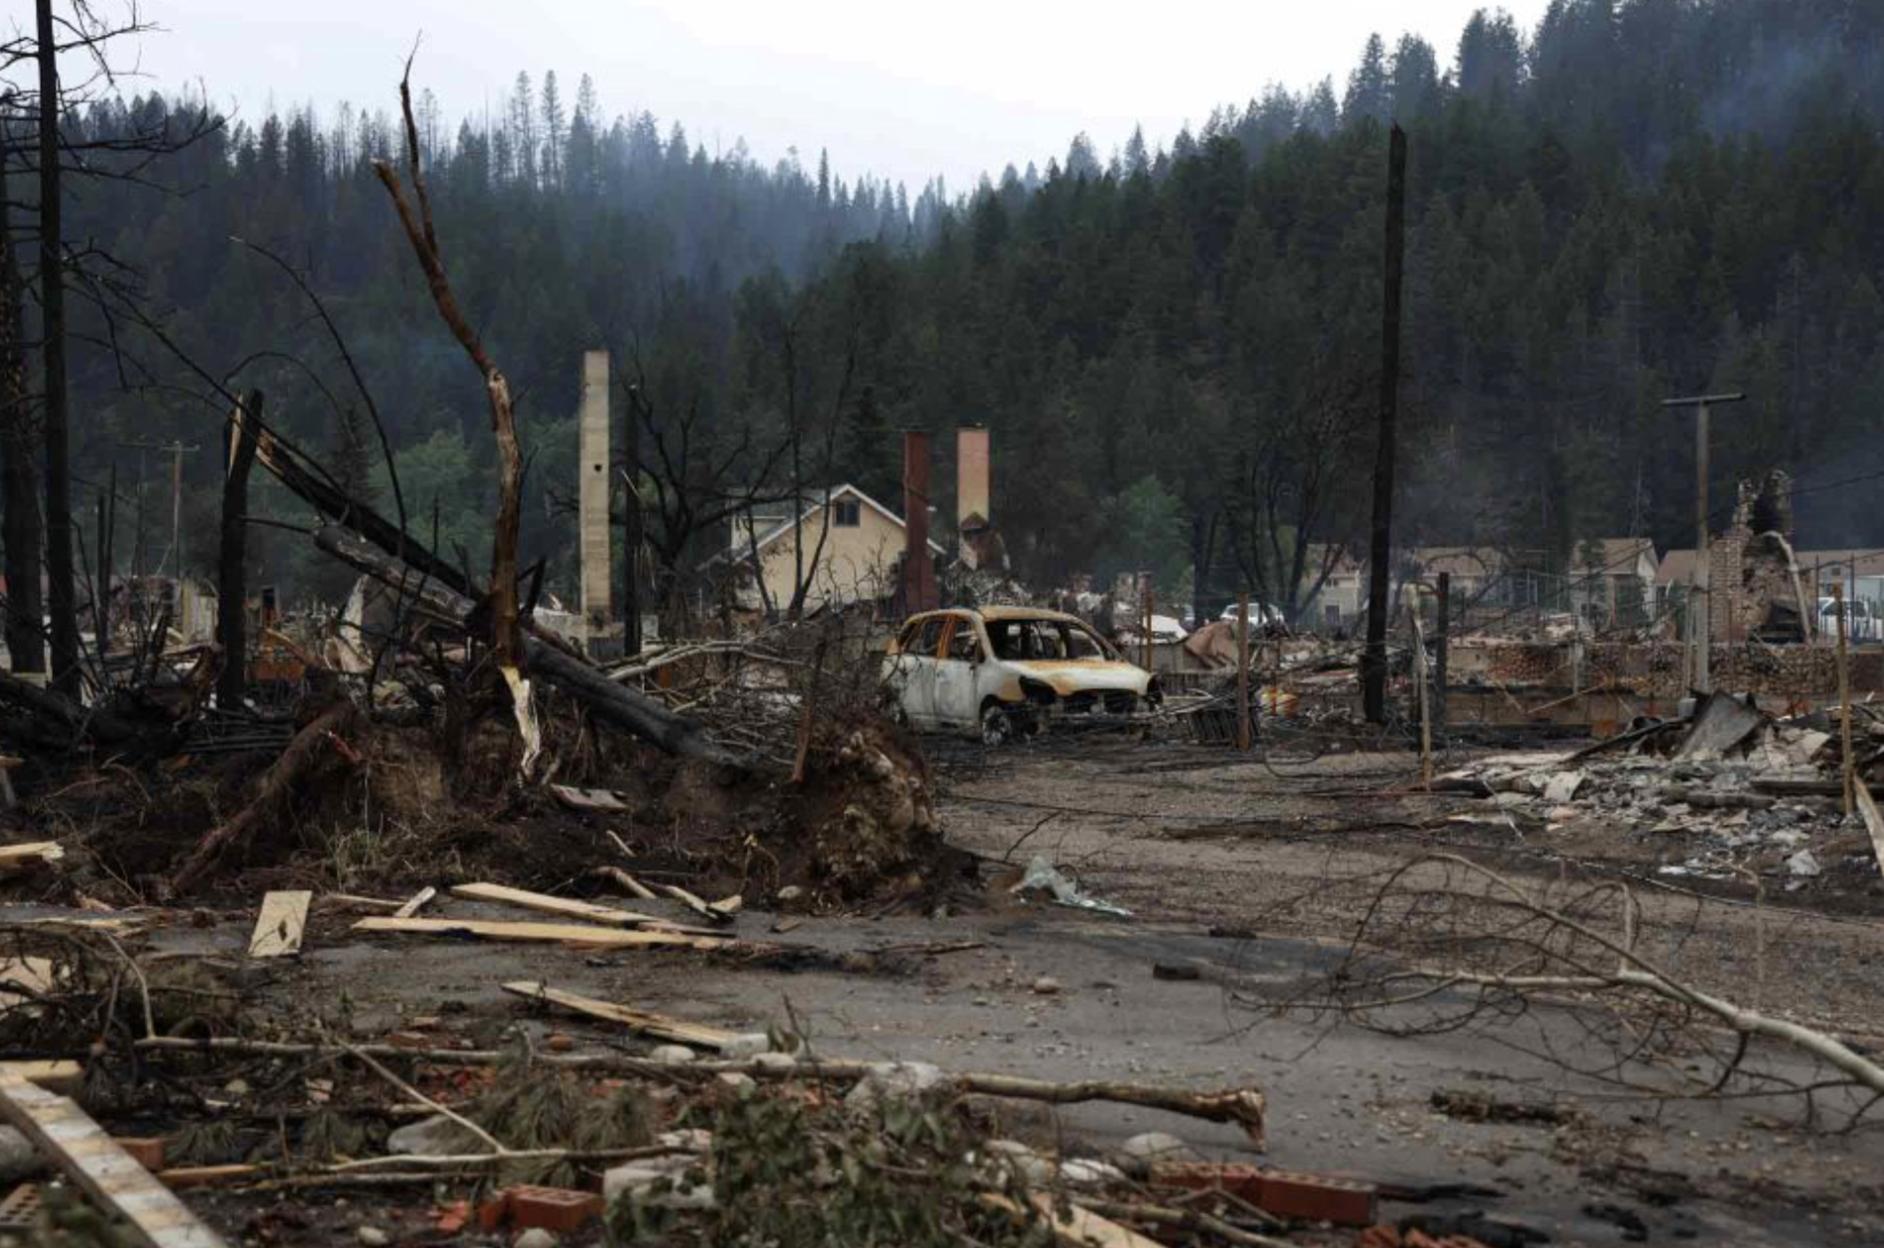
[
  {"x": 59, "y": 570},
  {"x": 20, "y": 529},
  {"x": 506, "y": 630},
  {"x": 232, "y": 579}
]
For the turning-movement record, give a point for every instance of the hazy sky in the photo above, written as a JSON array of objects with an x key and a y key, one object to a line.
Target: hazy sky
[{"x": 899, "y": 89}]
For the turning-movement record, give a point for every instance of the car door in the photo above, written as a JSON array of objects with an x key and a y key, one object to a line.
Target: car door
[
  {"x": 956, "y": 701},
  {"x": 915, "y": 669}
]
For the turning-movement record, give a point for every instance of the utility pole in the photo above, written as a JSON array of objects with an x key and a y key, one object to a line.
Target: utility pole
[
  {"x": 1700, "y": 605},
  {"x": 1374, "y": 658},
  {"x": 178, "y": 450},
  {"x": 232, "y": 604},
  {"x": 1444, "y": 643}
]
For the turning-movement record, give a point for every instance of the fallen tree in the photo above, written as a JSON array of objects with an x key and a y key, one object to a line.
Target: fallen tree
[
  {"x": 603, "y": 697},
  {"x": 1448, "y": 943},
  {"x": 307, "y": 760},
  {"x": 1243, "y": 1107}
]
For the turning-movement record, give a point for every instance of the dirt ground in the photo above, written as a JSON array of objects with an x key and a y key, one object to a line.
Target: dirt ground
[{"x": 1225, "y": 865}]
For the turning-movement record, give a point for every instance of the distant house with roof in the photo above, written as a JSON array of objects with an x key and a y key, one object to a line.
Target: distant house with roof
[
  {"x": 853, "y": 550},
  {"x": 1613, "y": 582}
]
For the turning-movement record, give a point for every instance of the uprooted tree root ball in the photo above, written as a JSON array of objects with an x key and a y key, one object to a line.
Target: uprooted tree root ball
[{"x": 356, "y": 802}]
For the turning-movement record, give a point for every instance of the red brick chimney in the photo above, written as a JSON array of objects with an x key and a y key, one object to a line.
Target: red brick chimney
[{"x": 919, "y": 590}]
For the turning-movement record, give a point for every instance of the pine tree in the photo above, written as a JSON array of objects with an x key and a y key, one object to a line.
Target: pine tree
[
  {"x": 1368, "y": 89},
  {"x": 555, "y": 131}
]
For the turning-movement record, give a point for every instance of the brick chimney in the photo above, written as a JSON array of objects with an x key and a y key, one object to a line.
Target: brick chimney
[{"x": 918, "y": 588}]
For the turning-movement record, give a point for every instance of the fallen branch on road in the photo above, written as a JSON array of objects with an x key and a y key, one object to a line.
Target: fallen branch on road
[{"x": 1242, "y": 1107}]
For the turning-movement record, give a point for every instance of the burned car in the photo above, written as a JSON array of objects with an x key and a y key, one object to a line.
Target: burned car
[{"x": 1002, "y": 671}]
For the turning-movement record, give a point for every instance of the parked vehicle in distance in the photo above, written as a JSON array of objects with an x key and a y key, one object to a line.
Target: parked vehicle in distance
[
  {"x": 1261, "y": 614},
  {"x": 1862, "y": 620},
  {"x": 998, "y": 672}
]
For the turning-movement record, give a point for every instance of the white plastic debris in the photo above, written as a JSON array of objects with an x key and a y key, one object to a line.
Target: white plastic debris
[
  {"x": 1043, "y": 877},
  {"x": 1804, "y": 864}
]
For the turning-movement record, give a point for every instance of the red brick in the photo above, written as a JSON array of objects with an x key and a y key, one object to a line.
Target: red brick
[
  {"x": 148, "y": 1151},
  {"x": 552, "y": 1208},
  {"x": 493, "y": 1210},
  {"x": 1317, "y": 1198},
  {"x": 1241, "y": 1181}
]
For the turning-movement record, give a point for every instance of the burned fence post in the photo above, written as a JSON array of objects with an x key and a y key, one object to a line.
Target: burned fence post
[
  {"x": 231, "y": 572},
  {"x": 1441, "y": 644},
  {"x": 1374, "y": 658},
  {"x": 1242, "y": 671},
  {"x": 1847, "y": 763}
]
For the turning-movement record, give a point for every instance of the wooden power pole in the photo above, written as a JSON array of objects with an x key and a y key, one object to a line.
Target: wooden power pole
[
  {"x": 1700, "y": 605},
  {"x": 1374, "y": 658},
  {"x": 232, "y": 598}
]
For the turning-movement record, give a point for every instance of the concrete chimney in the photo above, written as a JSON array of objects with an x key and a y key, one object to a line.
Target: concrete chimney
[
  {"x": 971, "y": 478},
  {"x": 919, "y": 590},
  {"x": 594, "y": 545}
]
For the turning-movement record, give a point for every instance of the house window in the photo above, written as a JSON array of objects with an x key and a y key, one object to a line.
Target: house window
[{"x": 846, "y": 513}]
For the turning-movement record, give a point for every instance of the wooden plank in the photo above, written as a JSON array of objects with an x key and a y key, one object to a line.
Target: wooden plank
[
  {"x": 585, "y": 910},
  {"x": 54, "y": 1076},
  {"x": 415, "y": 903},
  {"x": 29, "y": 974},
  {"x": 558, "y": 933},
  {"x": 29, "y": 854},
  {"x": 279, "y": 926},
  {"x": 208, "y": 1176},
  {"x": 353, "y": 899},
  {"x": 1080, "y": 1228},
  {"x": 1873, "y": 821},
  {"x": 696, "y": 904},
  {"x": 588, "y": 799},
  {"x": 149, "y": 1214},
  {"x": 644, "y": 1022},
  {"x": 635, "y": 887}
]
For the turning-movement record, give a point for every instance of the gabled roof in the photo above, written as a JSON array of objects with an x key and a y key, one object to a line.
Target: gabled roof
[
  {"x": 831, "y": 495},
  {"x": 1614, "y": 556}
]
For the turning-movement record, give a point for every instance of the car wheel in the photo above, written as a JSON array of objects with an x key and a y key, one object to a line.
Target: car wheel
[{"x": 997, "y": 726}]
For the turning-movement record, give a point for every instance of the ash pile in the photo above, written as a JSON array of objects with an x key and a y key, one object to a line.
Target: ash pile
[{"x": 1726, "y": 793}]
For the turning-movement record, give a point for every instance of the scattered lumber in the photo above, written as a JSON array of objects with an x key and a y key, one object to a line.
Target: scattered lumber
[
  {"x": 29, "y": 854},
  {"x": 415, "y": 903},
  {"x": 551, "y": 933},
  {"x": 279, "y": 926},
  {"x": 586, "y": 910},
  {"x": 147, "y": 1211},
  {"x": 643, "y": 1022}
]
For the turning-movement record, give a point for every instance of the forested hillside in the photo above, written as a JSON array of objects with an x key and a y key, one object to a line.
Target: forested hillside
[{"x": 1175, "y": 348}]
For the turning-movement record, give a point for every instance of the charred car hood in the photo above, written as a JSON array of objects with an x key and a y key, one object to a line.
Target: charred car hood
[{"x": 1071, "y": 676}]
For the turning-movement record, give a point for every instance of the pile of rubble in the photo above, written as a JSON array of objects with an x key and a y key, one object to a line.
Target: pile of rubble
[{"x": 1723, "y": 792}]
